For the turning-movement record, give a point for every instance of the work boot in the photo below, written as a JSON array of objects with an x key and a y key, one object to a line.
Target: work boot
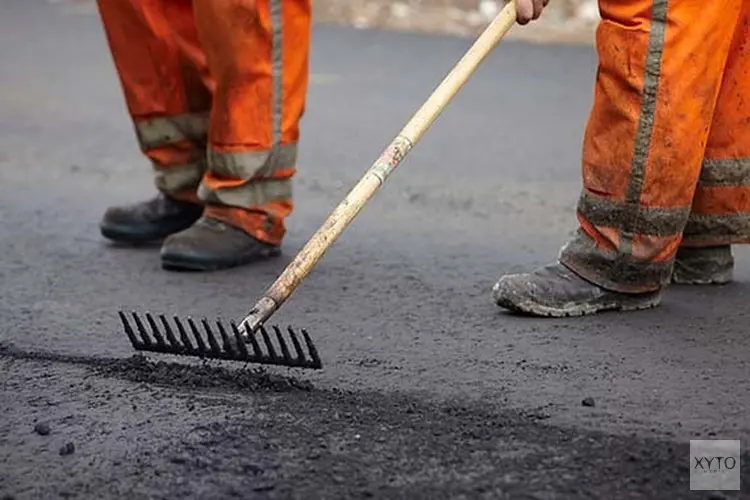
[
  {"x": 150, "y": 220},
  {"x": 211, "y": 244},
  {"x": 703, "y": 266},
  {"x": 554, "y": 290}
]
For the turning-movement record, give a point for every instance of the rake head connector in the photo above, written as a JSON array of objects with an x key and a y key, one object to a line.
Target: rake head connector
[{"x": 228, "y": 344}]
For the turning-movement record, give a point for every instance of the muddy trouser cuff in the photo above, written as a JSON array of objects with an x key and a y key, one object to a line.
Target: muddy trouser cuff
[
  {"x": 251, "y": 190},
  {"x": 249, "y": 180},
  {"x": 179, "y": 181},
  {"x": 176, "y": 145},
  {"x": 715, "y": 230},
  {"x": 613, "y": 270}
]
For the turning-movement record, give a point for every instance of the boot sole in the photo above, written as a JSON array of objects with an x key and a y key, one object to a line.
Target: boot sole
[
  {"x": 180, "y": 262},
  {"x": 575, "y": 310},
  {"x": 716, "y": 279},
  {"x": 126, "y": 234}
]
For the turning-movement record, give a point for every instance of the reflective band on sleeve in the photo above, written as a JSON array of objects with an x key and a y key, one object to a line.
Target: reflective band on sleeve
[{"x": 158, "y": 132}]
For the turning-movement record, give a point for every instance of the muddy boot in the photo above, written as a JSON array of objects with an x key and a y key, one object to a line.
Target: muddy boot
[
  {"x": 554, "y": 290},
  {"x": 150, "y": 220},
  {"x": 703, "y": 266},
  {"x": 211, "y": 244}
]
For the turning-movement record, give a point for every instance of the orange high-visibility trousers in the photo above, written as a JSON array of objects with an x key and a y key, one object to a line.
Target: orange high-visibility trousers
[
  {"x": 216, "y": 91},
  {"x": 666, "y": 151}
]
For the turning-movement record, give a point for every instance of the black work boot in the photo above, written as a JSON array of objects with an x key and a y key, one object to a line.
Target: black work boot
[
  {"x": 703, "y": 266},
  {"x": 210, "y": 244},
  {"x": 150, "y": 220},
  {"x": 554, "y": 290}
]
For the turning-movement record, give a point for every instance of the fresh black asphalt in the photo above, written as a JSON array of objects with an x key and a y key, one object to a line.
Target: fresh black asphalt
[{"x": 428, "y": 389}]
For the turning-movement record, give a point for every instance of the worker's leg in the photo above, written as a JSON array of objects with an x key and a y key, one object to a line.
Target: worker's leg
[
  {"x": 167, "y": 89},
  {"x": 258, "y": 53},
  {"x": 660, "y": 70},
  {"x": 721, "y": 206}
]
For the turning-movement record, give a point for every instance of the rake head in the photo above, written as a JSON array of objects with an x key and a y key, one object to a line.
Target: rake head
[{"x": 229, "y": 344}]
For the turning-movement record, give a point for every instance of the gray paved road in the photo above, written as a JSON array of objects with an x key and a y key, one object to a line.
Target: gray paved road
[{"x": 428, "y": 390}]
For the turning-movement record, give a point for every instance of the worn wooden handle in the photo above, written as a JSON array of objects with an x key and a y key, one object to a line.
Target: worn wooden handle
[{"x": 376, "y": 175}]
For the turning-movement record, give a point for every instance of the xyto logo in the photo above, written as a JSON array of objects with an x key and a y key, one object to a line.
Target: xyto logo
[{"x": 714, "y": 464}]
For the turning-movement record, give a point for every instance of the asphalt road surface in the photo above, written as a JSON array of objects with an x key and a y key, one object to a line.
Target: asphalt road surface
[{"x": 428, "y": 389}]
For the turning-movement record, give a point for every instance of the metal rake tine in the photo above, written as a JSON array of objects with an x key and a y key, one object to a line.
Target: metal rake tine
[
  {"x": 253, "y": 342},
  {"x": 129, "y": 330},
  {"x": 284, "y": 350},
  {"x": 271, "y": 351},
  {"x": 311, "y": 347},
  {"x": 297, "y": 347},
  {"x": 225, "y": 338},
  {"x": 211, "y": 338},
  {"x": 160, "y": 335},
  {"x": 155, "y": 330},
  {"x": 141, "y": 330},
  {"x": 184, "y": 336},
  {"x": 170, "y": 339},
  {"x": 240, "y": 342},
  {"x": 170, "y": 336},
  {"x": 198, "y": 340}
]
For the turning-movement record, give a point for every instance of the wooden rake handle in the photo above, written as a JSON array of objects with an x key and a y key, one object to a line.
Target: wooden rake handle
[{"x": 376, "y": 175}]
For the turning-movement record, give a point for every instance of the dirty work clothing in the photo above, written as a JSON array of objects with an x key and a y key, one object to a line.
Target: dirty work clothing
[
  {"x": 216, "y": 91},
  {"x": 666, "y": 153}
]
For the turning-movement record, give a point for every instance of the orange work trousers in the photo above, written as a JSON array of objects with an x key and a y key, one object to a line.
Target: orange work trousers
[
  {"x": 216, "y": 91},
  {"x": 666, "y": 151}
]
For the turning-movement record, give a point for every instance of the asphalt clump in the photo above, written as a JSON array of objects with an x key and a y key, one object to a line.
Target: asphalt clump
[{"x": 42, "y": 428}]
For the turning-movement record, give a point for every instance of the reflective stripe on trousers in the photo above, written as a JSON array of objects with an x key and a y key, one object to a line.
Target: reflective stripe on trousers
[
  {"x": 165, "y": 130},
  {"x": 259, "y": 103}
]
